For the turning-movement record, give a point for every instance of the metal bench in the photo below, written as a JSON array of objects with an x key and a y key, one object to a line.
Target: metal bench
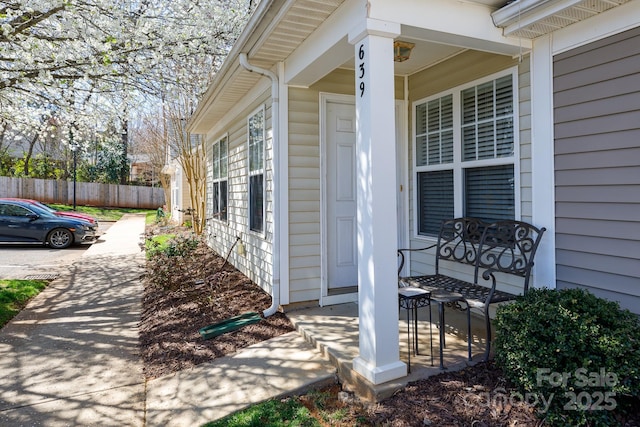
[{"x": 501, "y": 247}]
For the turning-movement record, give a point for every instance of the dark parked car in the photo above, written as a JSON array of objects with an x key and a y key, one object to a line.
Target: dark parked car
[
  {"x": 72, "y": 214},
  {"x": 22, "y": 222}
]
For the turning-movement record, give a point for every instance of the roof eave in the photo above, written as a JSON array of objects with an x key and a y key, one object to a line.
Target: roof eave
[
  {"x": 533, "y": 18},
  {"x": 230, "y": 64}
]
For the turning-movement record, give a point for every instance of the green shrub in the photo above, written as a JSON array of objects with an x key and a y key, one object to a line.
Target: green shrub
[
  {"x": 581, "y": 351},
  {"x": 157, "y": 244},
  {"x": 171, "y": 245},
  {"x": 170, "y": 259}
]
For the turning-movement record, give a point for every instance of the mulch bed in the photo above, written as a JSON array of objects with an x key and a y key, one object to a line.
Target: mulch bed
[
  {"x": 184, "y": 294},
  {"x": 208, "y": 291},
  {"x": 470, "y": 397}
]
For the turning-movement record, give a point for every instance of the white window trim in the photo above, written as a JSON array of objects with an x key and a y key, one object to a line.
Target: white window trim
[
  {"x": 262, "y": 171},
  {"x": 458, "y": 165},
  {"x": 219, "y": 179}
]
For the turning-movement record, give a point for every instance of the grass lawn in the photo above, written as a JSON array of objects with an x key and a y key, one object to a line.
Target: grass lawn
[
  {"x": 272, "y": 413},
  {"x": 317, "y": 408},
  {"x": 107, "y": 214},
  {"x": 14, "y": 295},
  {"x": 159, "y": 243}
]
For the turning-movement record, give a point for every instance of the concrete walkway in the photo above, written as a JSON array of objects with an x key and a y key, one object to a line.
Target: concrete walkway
[
  {"x": 279, "y": 366},
  {"x": 71, "y": 357}
]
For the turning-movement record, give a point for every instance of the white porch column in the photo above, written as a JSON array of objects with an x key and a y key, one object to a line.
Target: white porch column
[
  {"x": 542, "y": 147},
  {"x": 379, "y": 358}
]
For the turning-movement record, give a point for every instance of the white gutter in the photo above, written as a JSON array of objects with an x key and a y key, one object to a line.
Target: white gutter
[
  {"x": 275, "y": 125},
  {"x": 550, "y": 15},
  {"x": 516, "y": 10}
]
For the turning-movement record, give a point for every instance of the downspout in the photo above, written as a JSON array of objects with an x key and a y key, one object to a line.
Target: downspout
[{"x": 275, "y": 125}]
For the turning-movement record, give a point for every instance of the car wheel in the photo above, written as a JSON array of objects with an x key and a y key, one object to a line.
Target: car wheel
[{"x": 60, "y": 238}]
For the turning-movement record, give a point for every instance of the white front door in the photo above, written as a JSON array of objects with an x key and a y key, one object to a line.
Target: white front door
[{"x": 342, "y": 257}]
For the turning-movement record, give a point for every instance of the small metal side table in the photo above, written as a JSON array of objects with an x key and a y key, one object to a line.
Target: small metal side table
[
  {"x": 411, "y": 299},
  {"x": 444, "y": 297}
]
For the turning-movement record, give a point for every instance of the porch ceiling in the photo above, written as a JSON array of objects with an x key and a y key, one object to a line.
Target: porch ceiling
[
  {"x": 533, "y": 18},
  {"x": 303, "y": 17},
  {"x": 425, "y": 54},
  {"x": 292, "y": 27},
  {"x": 276, "y": 29}
]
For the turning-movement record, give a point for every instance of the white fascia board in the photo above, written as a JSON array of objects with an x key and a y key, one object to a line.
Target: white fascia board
[
  {"x": 325, "y": 49},
  {"x": 456, "y": 23}
]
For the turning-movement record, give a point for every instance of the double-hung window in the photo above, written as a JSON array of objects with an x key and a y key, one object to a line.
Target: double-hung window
[
  {"x": 256, "y": 124},
  {"x": 465, "y": 153},
  {"x": 220, "y": 179}
]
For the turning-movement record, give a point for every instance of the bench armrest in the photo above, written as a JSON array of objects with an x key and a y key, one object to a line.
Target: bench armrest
[
  {"x": 402, "y": 257},
  {"x": 488, "y": 273}
]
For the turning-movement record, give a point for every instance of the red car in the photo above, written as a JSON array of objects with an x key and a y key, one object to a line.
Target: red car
[{"x": 68, "y": 214}]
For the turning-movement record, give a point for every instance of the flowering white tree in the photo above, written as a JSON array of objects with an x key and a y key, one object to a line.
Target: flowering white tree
[{"x": 68, "y": 67}]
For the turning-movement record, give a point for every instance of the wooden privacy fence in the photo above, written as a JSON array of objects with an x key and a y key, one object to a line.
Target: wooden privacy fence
[{"x": 87, "y": 193}]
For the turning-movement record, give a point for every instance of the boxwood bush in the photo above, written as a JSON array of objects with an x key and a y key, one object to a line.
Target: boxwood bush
[{"x": 580, "y": 351}]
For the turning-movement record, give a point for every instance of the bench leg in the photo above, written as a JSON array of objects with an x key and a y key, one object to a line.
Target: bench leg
[
  {"x": 415, "y": 330},
  {"x": 441, "y": 328},
  {"x": 409, "y": 339},
  {"x": 487, "y": 321},
  {"x": 430, "y": 334},
  {"x": 469, "y": 331}
]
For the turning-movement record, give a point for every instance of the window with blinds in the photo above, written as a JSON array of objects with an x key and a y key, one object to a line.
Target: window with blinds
[
  {"x": 465, "y": 144},
  {"x": 255, "y": 150},
  {"x": 434, "y": 132},
  {"x": 219, "y": 179},
  {"x": 435, "y": 196},
  {"x": 487, "y": 120},
  {"x": 489, "y": 193}
]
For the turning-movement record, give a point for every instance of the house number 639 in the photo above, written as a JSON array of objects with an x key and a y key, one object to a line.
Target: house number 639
[{"x": 361, "y": 67}]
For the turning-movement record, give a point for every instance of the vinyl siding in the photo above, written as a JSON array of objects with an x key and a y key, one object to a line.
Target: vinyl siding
[
  {"x": 461, "y": 69},
  {"x": 597, "y": 168},
  {"x": 303, "y": 187},
  {"x": 257, "y": 263},
  {"x": 524, "y": 109},
  {"x": 342, "y": 81},
  {"x": 305, "y": 266},
  {"x": 457, "y": 71},
  {"x": 304, "y": 195}
]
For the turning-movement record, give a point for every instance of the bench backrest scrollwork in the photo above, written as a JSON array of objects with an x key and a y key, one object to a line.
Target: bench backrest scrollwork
[
  {"x": 458, "y": 240},
  {"x": 507, "y": 246}
]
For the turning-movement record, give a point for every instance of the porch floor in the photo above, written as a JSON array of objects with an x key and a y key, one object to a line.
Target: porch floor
[{"x": 333, "y": 330}]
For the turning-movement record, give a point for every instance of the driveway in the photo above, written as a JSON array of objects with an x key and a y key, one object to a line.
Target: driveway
[{"x": 36, "y": 261}]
